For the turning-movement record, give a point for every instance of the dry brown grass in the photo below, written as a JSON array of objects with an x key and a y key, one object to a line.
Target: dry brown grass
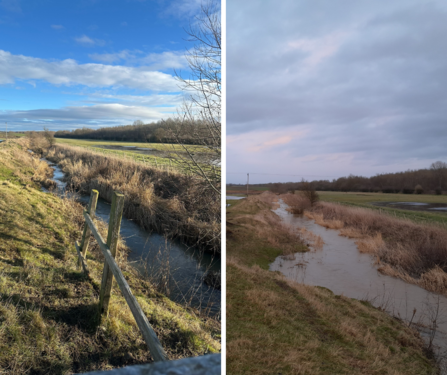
[
  {"x": 414, "y": 252},
  {"x": 47, "y": 305},
  {"x": 256, "y": 211},
  {"x": 276, "y": 326},
  {"x": 167, "y": 202},
  {"x": 296, "y": 202}
]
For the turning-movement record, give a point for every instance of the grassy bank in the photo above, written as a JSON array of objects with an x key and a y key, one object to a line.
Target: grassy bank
[
  {"x": 48, "y": 321},
  {"x": 277, "y": 326},
  {"x": 169, "y": 203},
  {"x": 366, "y": 200}
]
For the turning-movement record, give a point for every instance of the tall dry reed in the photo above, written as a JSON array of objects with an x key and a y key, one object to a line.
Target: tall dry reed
[
  {"x": 417, "y": 251},
  {"x": 169, "y": 203}
]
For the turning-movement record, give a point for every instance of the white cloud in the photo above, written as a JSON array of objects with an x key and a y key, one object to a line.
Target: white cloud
[
  {"x": 89, "y": 42},
  {"x": 165, "y": 60},
  {"x": 147, "y": 100},
  {"x": 183, "y": 8},
  {"x": 111, "y": 57},
  {"x": 57, "y": 27},
  {"x": 156, "y": 61},
  {"x": 69, "y": 72}
]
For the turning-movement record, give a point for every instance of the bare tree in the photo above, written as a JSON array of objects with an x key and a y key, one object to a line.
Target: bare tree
[
  {"x": 200, "y": 114},
  {"x": 308, "y": 191},
  {"x": 49, "y": 136},
  {"x": 440, "y": 169}
]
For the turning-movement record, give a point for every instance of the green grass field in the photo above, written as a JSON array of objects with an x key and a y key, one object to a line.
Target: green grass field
[
  {"x": 243, "y": 188},
  {"x": 366, "y": 199},
  {"x": 164, "y": 154},
  {"x": 167, "y": 147}
]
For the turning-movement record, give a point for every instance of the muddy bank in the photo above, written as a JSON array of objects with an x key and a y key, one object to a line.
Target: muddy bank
[{"x": 339, "y": 266}]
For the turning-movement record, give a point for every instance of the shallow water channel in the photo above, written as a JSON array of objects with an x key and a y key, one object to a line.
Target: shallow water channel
[
  {"x": 155, "y": 257},
  {"x": 340, "y": 267}
]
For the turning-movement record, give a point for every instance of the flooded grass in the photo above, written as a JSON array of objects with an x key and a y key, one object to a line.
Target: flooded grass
[
  {"x": 275, "y": 325},
  {"x": 159, "y": 154},
  {"x": 378, "y": 202}
]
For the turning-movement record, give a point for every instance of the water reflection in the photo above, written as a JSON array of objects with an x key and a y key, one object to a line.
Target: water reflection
[{"x": 179, "y": 269}]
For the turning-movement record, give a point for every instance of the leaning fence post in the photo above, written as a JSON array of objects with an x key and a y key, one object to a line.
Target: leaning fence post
[
  {"x": 91, "y": 209},
  {"x": 116, "y": 214}
]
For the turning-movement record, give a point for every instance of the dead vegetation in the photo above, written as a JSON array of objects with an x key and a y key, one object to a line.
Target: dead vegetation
[
  {"x": 170, "y": 203},
  {"x": 417, "y": 253},
  {"x": 277, "y": 326},
  {"x": 48, "y": 308}
]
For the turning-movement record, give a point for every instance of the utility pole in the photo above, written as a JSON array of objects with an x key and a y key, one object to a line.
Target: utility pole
[{"x": 248, "y": 181}]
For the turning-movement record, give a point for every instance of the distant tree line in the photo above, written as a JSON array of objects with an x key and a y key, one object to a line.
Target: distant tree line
[
  {"x": 432, "y": 180},
  {"x": 155, "y": 132}
]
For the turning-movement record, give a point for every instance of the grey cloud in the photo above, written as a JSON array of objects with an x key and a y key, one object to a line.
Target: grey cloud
[
  {"x": 99, "y": 115},
  {"x": 368, "y": 78}
]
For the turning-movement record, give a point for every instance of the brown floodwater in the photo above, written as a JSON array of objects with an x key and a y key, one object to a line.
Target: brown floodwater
[{"x": 340, "y": 267}]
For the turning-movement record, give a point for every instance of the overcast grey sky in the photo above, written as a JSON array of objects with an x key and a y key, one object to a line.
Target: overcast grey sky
[{"x": 321, "y": 89}]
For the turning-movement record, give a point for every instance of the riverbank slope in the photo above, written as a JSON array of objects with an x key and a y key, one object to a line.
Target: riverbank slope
[
  {"x": 278, "y": 326},
  {"x": 48, "y": 307}
]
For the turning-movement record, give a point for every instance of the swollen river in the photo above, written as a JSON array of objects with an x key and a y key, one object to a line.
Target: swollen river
[
  {"x": 179, "y": 268},
  {"x": 340, "y": 267}
]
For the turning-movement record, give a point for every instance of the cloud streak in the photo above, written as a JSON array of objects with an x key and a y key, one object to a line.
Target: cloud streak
[
  {"x": 105, "y": 114},
  {"x": 89, "y": 42}
]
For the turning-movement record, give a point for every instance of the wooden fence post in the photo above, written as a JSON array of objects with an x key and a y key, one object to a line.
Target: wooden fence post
[
  {"x": 91, "y": 209},
  {"x": 116, "y": 214}
]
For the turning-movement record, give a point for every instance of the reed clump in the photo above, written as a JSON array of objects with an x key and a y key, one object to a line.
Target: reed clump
[
  {"x": 296, "y": 202},
  {"x": 170, "y": 203}
]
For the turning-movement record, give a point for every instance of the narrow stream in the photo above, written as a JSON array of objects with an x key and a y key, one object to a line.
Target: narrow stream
[
  {"x": 340, "y": 267},
  {"x": 156, "y": 257}
]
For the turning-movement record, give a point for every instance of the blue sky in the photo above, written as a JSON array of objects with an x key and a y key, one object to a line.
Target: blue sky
[{"x": 69, "y": 64}]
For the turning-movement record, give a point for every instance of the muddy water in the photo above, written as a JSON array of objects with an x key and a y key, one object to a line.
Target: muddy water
[
  {"x": 233, "y": 197},
  {"x": 340, "y": 267},
  {"x": 413, "y": 206},
  {"x": 149, "y": 255}
]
